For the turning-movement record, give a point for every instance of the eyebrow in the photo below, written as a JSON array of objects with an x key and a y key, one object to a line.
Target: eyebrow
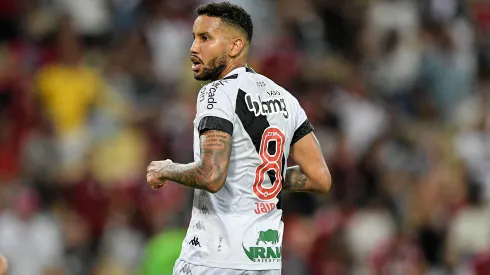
[{"x": 202, "y": 33}]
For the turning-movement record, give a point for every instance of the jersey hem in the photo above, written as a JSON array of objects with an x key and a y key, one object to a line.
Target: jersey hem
[{"x": 232, "y": 265}]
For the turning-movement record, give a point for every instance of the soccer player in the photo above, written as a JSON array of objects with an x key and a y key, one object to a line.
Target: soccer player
[{"x": 245, "y": 128}]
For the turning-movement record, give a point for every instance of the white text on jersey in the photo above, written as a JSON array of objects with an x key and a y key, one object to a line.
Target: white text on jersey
[{"x": 211, "y": 92}]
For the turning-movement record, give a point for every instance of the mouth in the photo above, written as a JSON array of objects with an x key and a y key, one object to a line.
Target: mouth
[{"x": 196, "y": 63}]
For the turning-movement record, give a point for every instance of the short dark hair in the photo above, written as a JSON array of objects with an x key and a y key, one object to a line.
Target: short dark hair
[{"x": 230, "y": 14}]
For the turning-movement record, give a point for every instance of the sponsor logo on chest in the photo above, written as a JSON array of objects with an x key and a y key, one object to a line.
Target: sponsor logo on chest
[{"x": 273, "y": 105}]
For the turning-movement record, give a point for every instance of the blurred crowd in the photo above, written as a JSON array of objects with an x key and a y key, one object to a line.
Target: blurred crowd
[{"x": 398, "y": 92}]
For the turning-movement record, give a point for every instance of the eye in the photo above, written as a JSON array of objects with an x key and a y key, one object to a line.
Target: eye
[{"x": 205, "y": 38}]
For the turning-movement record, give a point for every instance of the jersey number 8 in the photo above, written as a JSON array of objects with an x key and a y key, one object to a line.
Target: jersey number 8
[{"x": 270, "y": 161}]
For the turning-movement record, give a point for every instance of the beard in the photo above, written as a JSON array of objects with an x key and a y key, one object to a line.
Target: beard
[{"x": 213, "y": 70}]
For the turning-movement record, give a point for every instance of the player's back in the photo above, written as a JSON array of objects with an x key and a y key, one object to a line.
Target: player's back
[{"x": 240, "y": 226}]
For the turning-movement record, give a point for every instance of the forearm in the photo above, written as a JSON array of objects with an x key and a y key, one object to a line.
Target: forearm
[
  {"x": 210, "y": 172},
  {"x": 297, "y": 181},
  {"x": 195, "y": 175}
]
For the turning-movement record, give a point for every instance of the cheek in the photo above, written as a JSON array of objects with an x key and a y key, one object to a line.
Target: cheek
[{"x": 212, "y": 50}]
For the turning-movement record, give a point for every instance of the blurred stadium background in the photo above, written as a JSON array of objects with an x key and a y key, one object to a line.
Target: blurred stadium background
[{"x": 398, "y": 90}]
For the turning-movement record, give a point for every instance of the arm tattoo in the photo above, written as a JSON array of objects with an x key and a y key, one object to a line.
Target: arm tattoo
[
  {"x": 295, "y": 179},
  {"x": 210, "y": 172}
]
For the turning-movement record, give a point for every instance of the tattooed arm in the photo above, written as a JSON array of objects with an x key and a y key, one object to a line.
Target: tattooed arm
[
  {"x": 312, "y": 173},
  {"x": 207, "y": 174},
  {"x": 295, "y": 179}
]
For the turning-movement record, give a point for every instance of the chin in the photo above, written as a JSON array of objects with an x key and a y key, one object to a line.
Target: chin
[{"x": 200, "y": 77}]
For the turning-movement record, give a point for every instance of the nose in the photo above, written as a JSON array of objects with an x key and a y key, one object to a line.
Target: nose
[{"x": 194, "y": 47}]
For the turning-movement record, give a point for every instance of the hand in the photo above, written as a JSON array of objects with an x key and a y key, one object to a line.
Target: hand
[
  {"x": 154, "y": 176},
  {"x": 3, "y": 265}
]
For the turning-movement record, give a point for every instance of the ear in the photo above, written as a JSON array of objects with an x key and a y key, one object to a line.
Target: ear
[{"x": 237, "y": 44}]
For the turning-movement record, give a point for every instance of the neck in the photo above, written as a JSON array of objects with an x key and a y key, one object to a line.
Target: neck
[{"x": 231, "y": 66}]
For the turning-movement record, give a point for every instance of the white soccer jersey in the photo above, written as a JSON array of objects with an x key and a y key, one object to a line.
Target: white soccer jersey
[{"x": 241, "y": 225}]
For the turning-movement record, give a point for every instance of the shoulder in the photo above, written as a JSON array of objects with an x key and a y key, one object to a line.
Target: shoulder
[
  {"x": 218, "y": 91},
  {"x": 277, "y": 90}
]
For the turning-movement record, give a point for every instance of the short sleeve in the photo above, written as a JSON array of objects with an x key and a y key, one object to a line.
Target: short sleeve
[
  {"x": 302, "y": 124},
  {"x": 215, "y": 110}
]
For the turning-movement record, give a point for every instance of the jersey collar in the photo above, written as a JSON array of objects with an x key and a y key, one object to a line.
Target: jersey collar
[{"x": 241, "y": 70}]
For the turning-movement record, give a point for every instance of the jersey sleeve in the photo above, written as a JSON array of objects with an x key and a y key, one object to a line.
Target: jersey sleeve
[
  {"x": 302, "y": 124},
  {"x": 215, "y": 110}
]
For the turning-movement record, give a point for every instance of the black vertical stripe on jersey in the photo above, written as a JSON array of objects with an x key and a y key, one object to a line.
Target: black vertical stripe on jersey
[{"x": 255, "y": 127}]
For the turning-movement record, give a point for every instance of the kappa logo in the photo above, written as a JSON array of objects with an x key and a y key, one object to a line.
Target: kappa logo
[
  {"x": 186, "y": 270},
  {"x": 199, "y": 226},
  {"x": 204, "y": 210},
  {"x": 211, "y": 93},
  {"x": 195, "y": 242},
  {"x": 204, "y": 194},
  {"x": 271, "y": 106}
]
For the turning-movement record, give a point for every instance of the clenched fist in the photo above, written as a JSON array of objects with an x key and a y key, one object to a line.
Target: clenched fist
[
  {"x": 3, "y": 265},
  {"x": 154, "y": 175}
]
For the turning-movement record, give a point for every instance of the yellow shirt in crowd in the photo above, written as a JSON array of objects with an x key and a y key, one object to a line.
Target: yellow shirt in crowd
[{"x": 67, "y": 93}]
